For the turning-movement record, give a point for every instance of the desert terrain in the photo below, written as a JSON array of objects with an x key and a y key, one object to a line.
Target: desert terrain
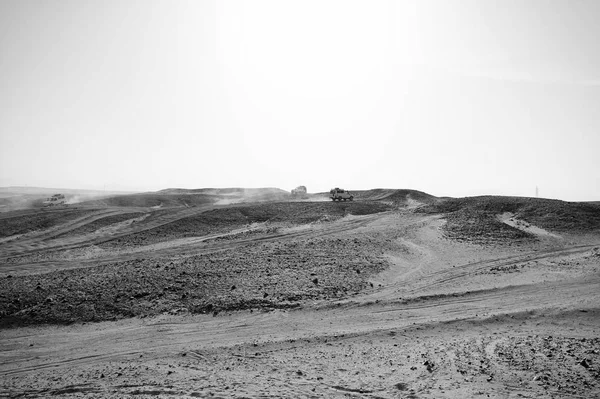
[{"x": 253, "y": 293}]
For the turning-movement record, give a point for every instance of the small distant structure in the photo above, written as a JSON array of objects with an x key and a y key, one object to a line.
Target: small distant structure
[
  {"x": 299, "y": 192},
  {"x": 56, "y": 199}
]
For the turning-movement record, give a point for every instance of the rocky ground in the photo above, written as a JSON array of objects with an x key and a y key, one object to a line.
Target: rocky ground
[{"x": 396, "y": 295}]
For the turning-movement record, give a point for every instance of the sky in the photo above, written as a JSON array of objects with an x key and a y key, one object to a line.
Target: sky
[{"x": 454, "y": 98}]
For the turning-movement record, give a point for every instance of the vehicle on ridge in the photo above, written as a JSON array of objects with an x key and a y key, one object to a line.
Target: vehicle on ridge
[{"x": 339, "y": 194}]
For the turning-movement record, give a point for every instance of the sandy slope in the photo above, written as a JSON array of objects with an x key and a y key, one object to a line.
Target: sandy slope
[{"x": 446, "y": 318}]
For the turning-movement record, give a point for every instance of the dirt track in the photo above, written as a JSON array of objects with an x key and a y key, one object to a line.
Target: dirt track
[{"x": 433, "y": 316}]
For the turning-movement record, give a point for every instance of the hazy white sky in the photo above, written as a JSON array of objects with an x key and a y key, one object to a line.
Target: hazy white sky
[{"x": 453, "y": 98}]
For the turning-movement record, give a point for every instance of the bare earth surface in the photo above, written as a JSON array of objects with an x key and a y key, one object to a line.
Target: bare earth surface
[{"x": 395, "y": 295}]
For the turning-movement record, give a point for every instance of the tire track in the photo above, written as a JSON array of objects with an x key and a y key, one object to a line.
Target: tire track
[
  {"x": 511, "y": 295},
  {"x": 157, "y": 339},
  {"x": 36, "y": 238},
  {"x": 460, "y": 272},
  {"x": 24, "y": 247},
  {"x": 185, "y": 248}
]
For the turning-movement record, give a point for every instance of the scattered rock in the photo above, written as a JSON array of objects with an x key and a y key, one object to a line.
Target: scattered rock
[
  {"x": 429, "y": 365},
  {"x": 401, "y": 386}
]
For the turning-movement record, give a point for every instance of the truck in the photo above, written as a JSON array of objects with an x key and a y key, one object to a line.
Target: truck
[
  {"x": 56, "y": 199},
  {"x": 339, "y": 194}
]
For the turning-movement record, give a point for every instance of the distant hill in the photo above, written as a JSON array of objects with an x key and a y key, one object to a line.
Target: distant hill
[
  {"x": 46, "y": 191},
  {"x": 178, "y": 197},
  {"x": 236, "y": 191},
  {"x": 551, "y": 214},
  {"x": 396, "y": 196},
  {"x": 15, "y": 198},
  {"x": 153, "y": 199}
]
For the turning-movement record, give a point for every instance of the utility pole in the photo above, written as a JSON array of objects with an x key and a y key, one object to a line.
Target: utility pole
[{"x": 536, "y": 192}]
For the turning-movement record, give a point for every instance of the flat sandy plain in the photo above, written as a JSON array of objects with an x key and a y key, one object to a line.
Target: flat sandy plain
[{"x": 253, "y": 294}]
